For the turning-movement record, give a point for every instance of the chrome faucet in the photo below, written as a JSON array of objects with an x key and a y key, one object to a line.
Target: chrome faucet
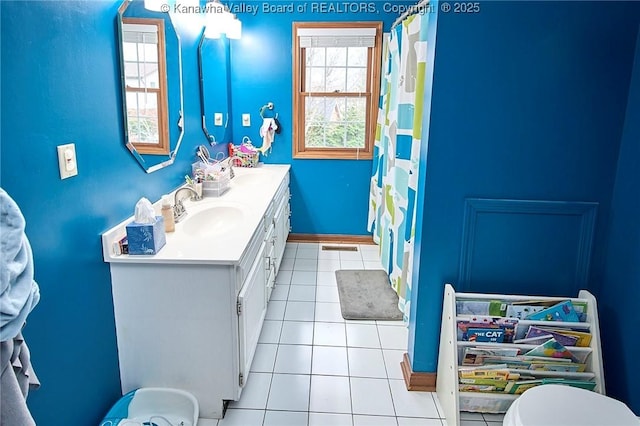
[{"x": 179, "y": 211}]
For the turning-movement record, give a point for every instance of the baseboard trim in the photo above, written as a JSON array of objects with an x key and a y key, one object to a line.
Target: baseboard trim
[
  {"x": 330, "y": 238},
  {"x": 424, "y": 382}
]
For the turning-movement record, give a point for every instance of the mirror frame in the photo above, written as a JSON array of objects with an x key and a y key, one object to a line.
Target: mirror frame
[
  {"x": 145, "y": 159},
  {"x": 227, "y": 46}
]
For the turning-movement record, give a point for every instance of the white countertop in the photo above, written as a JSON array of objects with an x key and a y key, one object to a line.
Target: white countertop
[{"x": 251, "y": 191}]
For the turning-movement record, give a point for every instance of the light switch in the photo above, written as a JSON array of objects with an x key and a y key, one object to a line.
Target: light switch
[
  {"x": 246, "y": 120},
  {"x": 217, "y": 119},
  {"x": 67, "y": 160}
]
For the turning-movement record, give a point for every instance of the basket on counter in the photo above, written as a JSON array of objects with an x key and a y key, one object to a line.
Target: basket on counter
[{"x": 245, "y": 154}]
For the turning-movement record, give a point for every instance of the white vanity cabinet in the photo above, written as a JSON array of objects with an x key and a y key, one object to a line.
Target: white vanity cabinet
[{"x": 190, "y": 319}]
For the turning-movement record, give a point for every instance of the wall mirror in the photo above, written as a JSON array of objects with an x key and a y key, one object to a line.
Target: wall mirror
[
  {"x": 151, "y": 76},
  {"x": 214, "y": 58}
]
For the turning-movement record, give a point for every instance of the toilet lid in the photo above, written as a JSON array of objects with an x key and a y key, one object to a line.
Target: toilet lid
[{"x": 559, "y": 405}]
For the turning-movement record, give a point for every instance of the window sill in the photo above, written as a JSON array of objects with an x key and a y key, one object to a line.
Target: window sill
[{"x": 332, "y": 155}]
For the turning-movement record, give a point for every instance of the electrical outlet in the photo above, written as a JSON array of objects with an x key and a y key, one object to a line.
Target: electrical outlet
[
  {"x": 67, "y": 160},
  {"x": 246, "y": 120},
  {"x": 217, "y": 119}
]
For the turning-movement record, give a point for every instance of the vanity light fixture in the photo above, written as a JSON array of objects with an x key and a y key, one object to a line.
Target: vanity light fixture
[
  {"x": 155, "y": 5},
  {"x": 234, "y": 28},
  {"x": 221, "y": 21}
]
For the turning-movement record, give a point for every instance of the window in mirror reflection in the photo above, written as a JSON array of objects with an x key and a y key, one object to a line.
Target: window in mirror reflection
[{"x": 146, "y": 84}]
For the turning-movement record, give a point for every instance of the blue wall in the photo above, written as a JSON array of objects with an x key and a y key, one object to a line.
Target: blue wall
[
  {"x": 618, "y": 298},
  {"x": 60, "y": 84},
  {"x": 328, "y": 196},
  {"x": 529, "y": 102}
]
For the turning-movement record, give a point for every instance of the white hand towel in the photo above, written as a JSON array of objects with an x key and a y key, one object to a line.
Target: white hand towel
[{"x": 267, "y": 131}]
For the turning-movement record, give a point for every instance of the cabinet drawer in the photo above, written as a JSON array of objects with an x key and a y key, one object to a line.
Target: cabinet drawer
[
  {"x": 268, "y": 216},
  {"x": 250, "y": 253},
  {"x": 282, "y": 192},
  {"x": 281, "y": 205}
]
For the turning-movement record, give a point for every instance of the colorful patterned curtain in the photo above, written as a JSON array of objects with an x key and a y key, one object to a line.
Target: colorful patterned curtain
[{"x": 397, "y": 152}]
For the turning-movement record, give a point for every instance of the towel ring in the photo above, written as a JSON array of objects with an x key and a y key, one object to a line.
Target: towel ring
[{"x": 267, "y": 106}]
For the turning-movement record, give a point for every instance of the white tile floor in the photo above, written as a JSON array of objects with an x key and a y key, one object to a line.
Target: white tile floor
[{"x": 313, "y": 368}]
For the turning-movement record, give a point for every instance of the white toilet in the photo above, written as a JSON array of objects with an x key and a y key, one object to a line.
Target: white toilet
[{"x": 558, "y": 405}]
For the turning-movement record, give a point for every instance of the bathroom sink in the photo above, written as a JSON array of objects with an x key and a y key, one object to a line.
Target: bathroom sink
[
  {"x": 250, "y": 177},
  {"x": 212, "y": 221}
]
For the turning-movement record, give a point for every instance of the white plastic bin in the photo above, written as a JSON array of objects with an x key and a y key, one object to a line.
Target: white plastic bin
[{"x": 156, "y": 406}]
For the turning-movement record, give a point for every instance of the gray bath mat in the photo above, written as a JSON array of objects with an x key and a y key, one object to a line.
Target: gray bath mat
[{"x": 367, "y": 295}]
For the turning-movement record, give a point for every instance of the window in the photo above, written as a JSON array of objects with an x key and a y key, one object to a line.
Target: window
[
  {"x": 336, "y": 68},
  {"x": 145, "y": 85}
]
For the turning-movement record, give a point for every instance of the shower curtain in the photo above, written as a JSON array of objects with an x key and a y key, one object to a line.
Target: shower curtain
[{"x": 396, "y": 155}]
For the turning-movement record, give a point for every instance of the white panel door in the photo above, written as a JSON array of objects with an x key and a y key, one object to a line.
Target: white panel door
[{"x": 252, "y": 307}]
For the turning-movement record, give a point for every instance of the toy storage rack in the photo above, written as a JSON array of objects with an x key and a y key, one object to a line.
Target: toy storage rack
[{"x": 453, "y": 401}]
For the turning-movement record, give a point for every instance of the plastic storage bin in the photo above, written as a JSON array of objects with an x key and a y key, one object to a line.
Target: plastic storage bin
[
  {"x": 215, "y": 188},
  {"x": 215, "y": 177}
]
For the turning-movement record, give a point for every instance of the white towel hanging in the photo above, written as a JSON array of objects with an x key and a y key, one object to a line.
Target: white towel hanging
[{"x": 267, "y": 131}]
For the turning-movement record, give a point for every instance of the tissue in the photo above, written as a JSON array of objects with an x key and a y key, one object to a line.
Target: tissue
[
  {"x": 146, "y": 234},
  {"x": 144, "y": 212}
]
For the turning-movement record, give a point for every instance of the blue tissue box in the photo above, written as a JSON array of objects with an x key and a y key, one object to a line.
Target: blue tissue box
[{"x": 146, "y": 238}]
